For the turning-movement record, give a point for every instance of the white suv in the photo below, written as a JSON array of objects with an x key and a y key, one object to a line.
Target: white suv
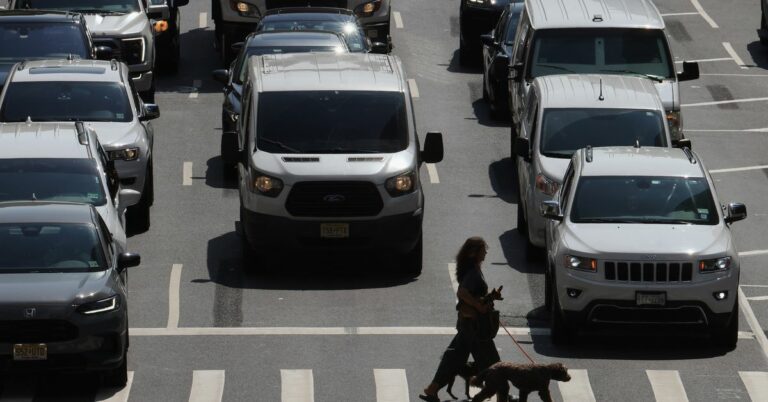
[{"x": 638, "y": 236}]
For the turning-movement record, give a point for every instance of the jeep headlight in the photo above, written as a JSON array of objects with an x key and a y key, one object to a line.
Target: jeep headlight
[
  {"x": 715, "y": 265},
  {"x": 125, "y": 154},
  {"x": 367, "y": 9},
  {"x": 401, "y": 184},
  {"x": 101, "y": 306},
  {"x": 133, "y": 51},
  {"x": 266, "y": 185},
  {"x": 581, "y": 263},
  {"x": 244, "y": 8}
]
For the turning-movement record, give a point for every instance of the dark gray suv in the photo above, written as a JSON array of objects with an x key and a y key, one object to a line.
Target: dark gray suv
[{"x": 63, "y": 290}]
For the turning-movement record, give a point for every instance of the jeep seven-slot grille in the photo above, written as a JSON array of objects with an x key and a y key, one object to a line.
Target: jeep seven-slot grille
[
  {"x": 36, "y": 331},
  {"x": 308, "y": 3},
  {"x": 334, "y": 199},
  {"x": 648, "y": 271}
]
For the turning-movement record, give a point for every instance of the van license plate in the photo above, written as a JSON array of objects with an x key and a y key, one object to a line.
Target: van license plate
[
  {"x": 30, "y": 351},
  {"x": 651, "y": 299},
  {"x": 334, "y": 230}
]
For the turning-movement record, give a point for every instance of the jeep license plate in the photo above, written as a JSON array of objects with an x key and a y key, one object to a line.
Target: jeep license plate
[
  {"x": 30, "y": 351},
  {"x": 651, "y": 299},
  {"x": 334, "y": 230}
]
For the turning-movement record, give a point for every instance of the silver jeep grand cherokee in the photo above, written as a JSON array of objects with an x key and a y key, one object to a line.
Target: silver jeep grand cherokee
[{"x": 637, "y": 236}]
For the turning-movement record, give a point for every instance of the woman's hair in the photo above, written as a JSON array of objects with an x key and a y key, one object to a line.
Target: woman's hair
[{"x": 467, "y": 258}]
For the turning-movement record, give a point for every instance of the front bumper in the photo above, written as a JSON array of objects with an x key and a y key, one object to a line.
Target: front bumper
[{"x": 132, "y": 174}]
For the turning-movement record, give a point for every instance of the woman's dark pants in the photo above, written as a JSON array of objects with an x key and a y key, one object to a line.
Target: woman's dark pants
[{"x": 465, "y": 342}]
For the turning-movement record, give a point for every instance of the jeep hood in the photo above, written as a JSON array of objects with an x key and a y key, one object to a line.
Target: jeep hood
[
  {"x": 117, "y": 25},
  {"x": 116, "y": 135}
]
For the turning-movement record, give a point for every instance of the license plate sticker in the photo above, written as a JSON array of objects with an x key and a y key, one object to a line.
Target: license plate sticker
[
  {"x": 30, "y": 351},
  {"x": 334, "y": 230},
  {"x": 651, "y": 299}
]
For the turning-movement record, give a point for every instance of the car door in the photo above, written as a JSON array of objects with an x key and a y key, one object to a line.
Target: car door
[
  {"x": 490, "y": 52},
  {"x": 525, "y": 168},
  {"x": 518, "y": 88}
]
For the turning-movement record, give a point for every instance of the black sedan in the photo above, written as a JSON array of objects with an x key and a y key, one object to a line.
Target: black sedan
[
  {"x": 497, "y": 49},
  {"x": 476, "y": 17}
]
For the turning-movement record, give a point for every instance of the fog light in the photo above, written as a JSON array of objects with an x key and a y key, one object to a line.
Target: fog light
[
  {"x": 721, "y": 295},
  {"x": 242, "y": 7},
  {"x": 573, "y": 293}
]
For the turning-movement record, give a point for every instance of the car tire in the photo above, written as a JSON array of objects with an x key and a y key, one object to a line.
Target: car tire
[
  {"x": 727, "y": 336},
  {"x": 561, "y": 332},
  {"x": 548, "y": 290},
  {"x": 412, "y": 261},
  {"x": 228, "y": 144},
  {"x": 250, "y": 261},
  {"x": 139, "y": 214},
  {"x": 522, "y": 225},
  {"x": 763, "y": 26},
  {"x": 148, "y": 96},
  {"x": 119, "y": 376}
]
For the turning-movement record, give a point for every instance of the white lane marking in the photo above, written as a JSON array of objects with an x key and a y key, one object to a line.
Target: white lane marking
[
  {"x": 758, "y": 298},
  {"x": 704, "y": 14},
  {"x": 754, "y": 286},
  {"x": 746, "y": 100},
  {"x": 578, "y": 389},
  {"x": 193, "y": 95},
  {"x": 740, "y": 169},
  {"x": 733, "y": 75},
  {"x": 302, "y": 331},
  {"x": 732, "y": 53},
  {"x": 667, "y": 386},
  {"x": 676, "y": 14},
  {"x": 752, "y": 252},
  {"x": 452, "y": 275},
  {"x": 756, "y": 383},
  {"x": 391, "y": 385},
  {"x": 706, "y": 60},
  {"x": 174, "y": 288},
  {"x": 203, "y": 22},
  {"x": 757, "y": 330},
  {"x": 746, "y": 335},
  {"x": 113, "y": 395},
  {"x": 746, "y": 130},
  {"x": 187, "y": 174},
  {"x": 297, "y": 386},
  {"x": 398, "y": 19},
  {"x": 413, "y": 87},
  {"x": 207, "y": 386},
  {"x": 473, "y": 390},
  {"x": 434, "y": 178}
]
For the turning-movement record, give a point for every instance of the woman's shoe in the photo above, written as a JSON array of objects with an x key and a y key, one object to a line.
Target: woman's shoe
[{"x": 429, "y": 398}]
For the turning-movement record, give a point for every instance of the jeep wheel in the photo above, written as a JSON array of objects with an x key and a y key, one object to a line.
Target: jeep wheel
[
  {"x": 119, "y": 376},
  {"x": 560, "y": 331},
  {"x": 727, "y": 336},
  {"x": 522, "y": 225},
  {"x": 411, "y": 263}
]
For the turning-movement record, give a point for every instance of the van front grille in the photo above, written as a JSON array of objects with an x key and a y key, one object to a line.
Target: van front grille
[
  {"x": 626, "y": 271},
  {"x": 306, "y": 3},
  {"x": 334, "y": 199}
]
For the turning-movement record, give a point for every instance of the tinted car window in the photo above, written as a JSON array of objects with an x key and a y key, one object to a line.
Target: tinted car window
[
  {"x": 42, "y": 40},
  {"x": 50, "y": 247},
  {"x": 600, "y": 51},
  {"x": 258, "y": 51},
  {"x": 563, "y": 131},
  {"x": 66, "y": 101},
  {"x": 73, "y": 180},
  {"x": 122, "y": 6},
  {"x": 352, "y": 34},
  {"x": 642, "y": 199},
  {"x": 332, "y": 122}
]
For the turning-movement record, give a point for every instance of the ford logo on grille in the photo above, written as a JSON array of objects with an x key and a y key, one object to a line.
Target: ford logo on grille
[
  {"x": 334, "y": 198},
  {"x": 30, "y": 312}
]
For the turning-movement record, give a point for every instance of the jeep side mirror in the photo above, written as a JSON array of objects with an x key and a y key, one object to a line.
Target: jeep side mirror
[
  {"x": 690, "y": 71},
  {"x": 158, "y": 11},
  {"x": 551, "y": 210},
  {"x": 516, "y": 72},
  {"x": 221, "y": 75},
  {"x": 127, "y": 260},
  {"x": 103, "y": 52},
  {"x": 151, "y": 112},
  {"x": 683, "y": 143},
  {"x": 487, "y": 40},
  {"x": 433, "y": 148},
  {"x": 523, "y": 148},
  {"x": 736, "y": 212}
]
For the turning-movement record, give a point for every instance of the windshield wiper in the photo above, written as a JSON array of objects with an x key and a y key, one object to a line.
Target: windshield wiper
[
  {"x": 604, "y": 220},
  {"x": 654, "y": 77},
  {"x": 96, "y": 11},
  {"x": 281, "y": 145},
  {"x": 667, "y": 221},
  {"x": 555, "y": 67}
]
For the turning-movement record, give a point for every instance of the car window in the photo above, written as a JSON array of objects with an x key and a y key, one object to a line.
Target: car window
[
  {"x": 352, "y": 33},
  {"x": 29, "y": 41},
  {"x": 51, "y": 179},
  {"x": 50, "y": 247},
  {"x": 498, "y": 32},
  {"x": 522, "y": 38},
  {"x": 84, "y": 6},
  {"x": 65, "y": 101},
  {"x": 566, "y": 188},
  {"x": 108, "y": 249}
]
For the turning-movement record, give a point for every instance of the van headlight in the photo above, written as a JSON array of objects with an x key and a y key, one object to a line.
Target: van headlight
[
  {"x": 675, "y": 121},
  {"x": 266, "y": 185},
  {"x": 367, "y": 9},
  {"x": 125, "y": 154},
  {"x": 245, "y": 9},
  {"x": 581, "y": 263},
  {"x": 101, "y": 306},
  {"x": 401, "y": 184},
  {"x": 715, "y": 265}
]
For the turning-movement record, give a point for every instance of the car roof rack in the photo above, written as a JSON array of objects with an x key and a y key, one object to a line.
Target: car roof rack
[
  {"x": 689, "y": 154},
  {"x": 82, "y": 133}
]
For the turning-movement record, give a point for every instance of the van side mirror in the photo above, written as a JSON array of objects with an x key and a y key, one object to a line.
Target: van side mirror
[
  {"x": 433, "y": 148},
  {"x": 221, "y": 75},
  {"x": 487, "y": 40},
  {"x": 551, "y": 210},
  {"x": 103, "y": 52},
  {"x": 690, "y": 71},
  {"x": 151, "y": 112},
  {"x": 127, "y": 260},
  {"x": 736, "y": 212},
  {"x": 683, "y": 143},
  {"x": 516, "y": 72},
  {"x": 523, "y": 148}
]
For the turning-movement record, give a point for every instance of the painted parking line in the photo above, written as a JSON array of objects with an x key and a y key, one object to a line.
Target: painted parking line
[
  {"x": 757, "y": 329},
  {"x": 186, "y": 174},
  {"x": 752, "y": 252},
  {"x": 706, "y": 60},
  {"x": 297, "y": 386},
  {"x": 733, "y": 75},
  {"x": 391, "y": 385},
  {"x": 174, "y": 289},
  {"x": 207, "y": 386},
  {"x": 734, "y": 55},
  {"x": 398, "y": 19},
  {"x": 756, "y": 383},
  {"x": 203, "y": 22},
  {"x": 113, "y": 395},
  {"x": 745, "y": 100},
  {"x": 578, "y": 389},
  {"x": 320, "y": 331},
  {"x": 413, "y": 87},
  {"x": 667, "y": 386},
  {"x": 704, "y": 14},
  {"x": 434, "y": 178},
  {"x": 739, "y": 169},
  {"x": 758, "y": 298}
]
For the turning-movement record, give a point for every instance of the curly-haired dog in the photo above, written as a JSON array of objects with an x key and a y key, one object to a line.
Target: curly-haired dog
[
  {"x": 525, "y": 377},
  {"x": 466, "y": 372}
]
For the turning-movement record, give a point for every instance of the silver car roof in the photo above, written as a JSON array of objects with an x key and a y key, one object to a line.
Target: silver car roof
[
  {"x": 584, "y": 90},
  {"x": 68, "y": 70},
  {"x": 41, "y": 140},
  {"x": 296, "y": 38},
  {"x": 45, "y": 212},
  {"x": 645, "y": 161},
  {"x": 547, "y": 14},
  {"x": 326, "y": 71}
]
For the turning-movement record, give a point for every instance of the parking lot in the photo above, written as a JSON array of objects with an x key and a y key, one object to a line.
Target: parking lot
[{"x": 350, "y": 329}]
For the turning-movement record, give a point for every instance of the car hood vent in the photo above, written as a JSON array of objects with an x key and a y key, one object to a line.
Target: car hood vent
[
  {"x": 365, "y": 159},
  {"x": 301, "y": 159}
]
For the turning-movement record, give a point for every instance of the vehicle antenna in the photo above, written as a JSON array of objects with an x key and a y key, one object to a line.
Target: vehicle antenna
[
  {"x": 29, "y": 119},
  {"x": 637, "y": 143},
  {"x": 601, "y": 97}
]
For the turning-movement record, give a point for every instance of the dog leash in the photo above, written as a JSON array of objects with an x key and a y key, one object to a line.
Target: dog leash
[{"x": 515, "y": 341}]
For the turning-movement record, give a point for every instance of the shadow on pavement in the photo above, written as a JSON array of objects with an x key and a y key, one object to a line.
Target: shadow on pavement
[
  {"x": 198, "y": 60},
  {"x": 217, "y": 176},
  {"x": 759, "y": 54}
]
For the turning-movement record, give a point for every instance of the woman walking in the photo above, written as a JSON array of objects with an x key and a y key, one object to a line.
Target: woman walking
[{"x": 472, "y": 334}]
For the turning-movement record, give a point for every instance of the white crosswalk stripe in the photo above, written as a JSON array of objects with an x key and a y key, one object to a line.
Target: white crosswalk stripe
[
  {"x": 391, "y": 385},
  {"x": 756, "y": 383},
  {"x": 578, "y": 389},
  {"x": 116, "y": 395},
  {"x": 297, "y": 386},
  {"x": 667, "y": 386},
  {"x": 207, "y": 386}
]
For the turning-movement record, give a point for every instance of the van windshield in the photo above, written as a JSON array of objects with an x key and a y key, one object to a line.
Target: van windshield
[
  {"x": 344, "y": 122},
  {"x": 563, "y": 131},
  {"x": 619, "y": 51}
]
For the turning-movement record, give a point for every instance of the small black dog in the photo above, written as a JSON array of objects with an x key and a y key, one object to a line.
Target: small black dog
[{"x": 466, "y": 372}]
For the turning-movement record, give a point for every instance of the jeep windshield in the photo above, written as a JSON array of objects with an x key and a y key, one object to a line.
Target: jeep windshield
[
  {"x": 50, "y": 247},
  {"x": 42, "y": 41},
  {"x": 65, "y": 101},
  {"x": 51, "y": 179},
  {"x": 83, "y": 6},
  {"x": 601, "y": 51},
  {"x": 643, "y": 199},
  {"x": 346, "y": 122},
  {"x": 563, "y": 131}
]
